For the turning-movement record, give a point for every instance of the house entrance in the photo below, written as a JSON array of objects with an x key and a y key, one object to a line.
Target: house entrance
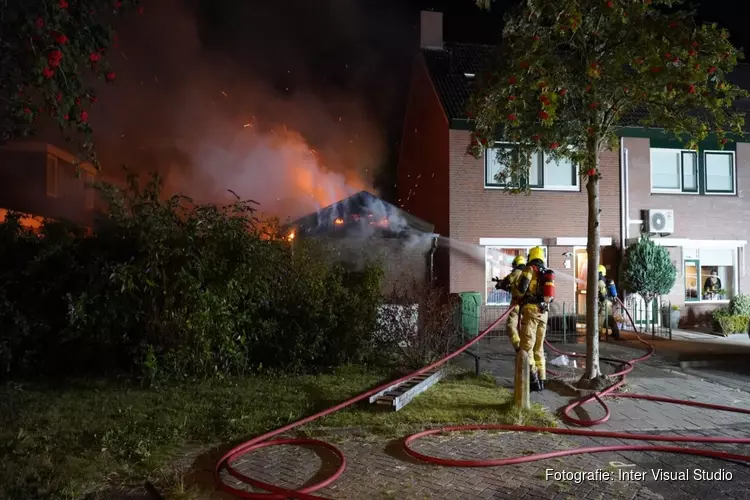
[{"x": 581, "y": 268}]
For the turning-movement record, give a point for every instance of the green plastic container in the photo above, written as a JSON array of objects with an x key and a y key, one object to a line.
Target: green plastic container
[{"x": 471, "y": 303}]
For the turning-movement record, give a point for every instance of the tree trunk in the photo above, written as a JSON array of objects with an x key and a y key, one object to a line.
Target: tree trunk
[{"x": 592, "y": 281}]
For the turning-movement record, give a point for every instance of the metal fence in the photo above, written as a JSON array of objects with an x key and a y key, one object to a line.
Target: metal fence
[{"x": 567, "y": 323}]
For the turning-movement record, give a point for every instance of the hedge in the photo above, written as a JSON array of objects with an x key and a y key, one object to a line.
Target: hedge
[{"x": 169, "y": 289}]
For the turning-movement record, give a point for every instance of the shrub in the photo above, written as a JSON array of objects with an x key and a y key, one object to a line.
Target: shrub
[
  {"x": 648, "y": 270},
  {"x": 167, "y": 288},
  {"x": 740, "y": 304},
  {"x": 417, "y": 324},
  {"x": 731, "y": 323}
]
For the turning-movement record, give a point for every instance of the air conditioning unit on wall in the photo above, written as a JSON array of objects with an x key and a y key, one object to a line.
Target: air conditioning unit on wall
[{"x": 659, "y": 222}]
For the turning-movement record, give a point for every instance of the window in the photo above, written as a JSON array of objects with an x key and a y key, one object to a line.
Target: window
[
  {"x": 674, "y": 170},
  {"x": 684, "y": 171},
  {"x": 711, "y": 276},
  {"x": 719, "y": 172},
  {"x": 559, "y": 174},
  {"x": 52, "y": 176},
  {"x": 544, "y": 173},
  {"x": 498, "y": 262},
  {"x": 494, "y": 166}
]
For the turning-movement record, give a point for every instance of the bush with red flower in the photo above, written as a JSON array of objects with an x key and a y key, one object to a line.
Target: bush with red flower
[{"x": 51, "y": 52}]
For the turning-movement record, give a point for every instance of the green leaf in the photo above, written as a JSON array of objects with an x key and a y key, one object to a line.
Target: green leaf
[{"x": 648, "y": 269}]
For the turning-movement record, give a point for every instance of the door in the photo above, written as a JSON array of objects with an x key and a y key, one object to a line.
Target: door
[{"x": 581, "y": 268}]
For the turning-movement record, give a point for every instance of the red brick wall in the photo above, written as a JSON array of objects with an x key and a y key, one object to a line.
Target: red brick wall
[
  {"x": 423, "y": 159},
  {"x": 696, "y": 217},
  {"x": 476, "y": 212}
]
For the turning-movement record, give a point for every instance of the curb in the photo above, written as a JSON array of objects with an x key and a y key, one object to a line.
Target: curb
[{"x": 714, "y": 360}]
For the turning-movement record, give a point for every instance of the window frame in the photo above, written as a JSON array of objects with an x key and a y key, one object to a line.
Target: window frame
[
  {"x": 486, "y": 285},
  {"x": 488, "y": 158},
  {"x": 698, "y": 284},
  {"x": 575, "y": 177},
  {"x": 681, "y": 189},
  {"x": 541, "y": 164},
  {"x": 733, "y": 173},
  {"x": 700, "y": 300}
]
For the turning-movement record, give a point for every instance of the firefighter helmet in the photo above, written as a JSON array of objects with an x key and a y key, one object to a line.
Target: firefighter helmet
[
  {"x": 536, "y": 253},
  {"x": 602, "y": 270},
  {"x": 519, "y": 261}
]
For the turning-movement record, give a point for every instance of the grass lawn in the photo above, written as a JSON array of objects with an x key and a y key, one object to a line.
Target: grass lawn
[
  {"x": 67, "y": 441},
  {"x": 461, "y": 398}
]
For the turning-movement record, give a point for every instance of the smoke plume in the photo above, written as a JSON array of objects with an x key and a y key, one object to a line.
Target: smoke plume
[{"x": 272, "y": 104}]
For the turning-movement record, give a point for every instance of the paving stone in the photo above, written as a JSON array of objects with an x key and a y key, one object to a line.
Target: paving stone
[{"x": 373, "y": 473}]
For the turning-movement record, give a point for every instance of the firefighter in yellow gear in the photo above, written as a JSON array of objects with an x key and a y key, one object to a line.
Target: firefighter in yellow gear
[
  {"x": 534, "y": 315},
  {"x": 508, "y": 284},
  {"x": 607, "y": 293}
]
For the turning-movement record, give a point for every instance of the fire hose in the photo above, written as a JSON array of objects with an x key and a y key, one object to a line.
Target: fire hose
[{"x": 279, "y": 493}]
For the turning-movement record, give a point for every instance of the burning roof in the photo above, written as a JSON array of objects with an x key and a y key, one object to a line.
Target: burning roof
[{"x": 360, "y": 211}]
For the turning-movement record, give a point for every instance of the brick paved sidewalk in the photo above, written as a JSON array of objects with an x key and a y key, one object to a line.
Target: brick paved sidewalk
[{"x": 378, "y": 468}]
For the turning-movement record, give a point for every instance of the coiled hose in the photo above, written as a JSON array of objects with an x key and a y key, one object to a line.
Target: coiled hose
[{"x": 278, "y": 493}]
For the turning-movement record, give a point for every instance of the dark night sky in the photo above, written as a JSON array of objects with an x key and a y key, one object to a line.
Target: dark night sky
[
  {"x": 323, "y": 59},
  {"x": 386, "y": 45}
]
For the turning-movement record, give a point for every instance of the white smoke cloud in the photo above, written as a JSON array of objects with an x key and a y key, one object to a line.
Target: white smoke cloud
[{"x": 209, "y": 123}]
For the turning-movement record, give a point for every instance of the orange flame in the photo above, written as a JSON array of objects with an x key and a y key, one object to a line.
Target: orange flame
[
  {"x": 338, "y": 221},
  {"x": 28, "y": 221}
]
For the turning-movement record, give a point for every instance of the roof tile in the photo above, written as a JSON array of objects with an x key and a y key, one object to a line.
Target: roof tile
[{"x": 448, "y": 69}]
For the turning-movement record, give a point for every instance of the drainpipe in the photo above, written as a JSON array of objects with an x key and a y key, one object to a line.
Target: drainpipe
[
  {"x": 435, "y": 237},
  {"x": 623, "y": 203}
]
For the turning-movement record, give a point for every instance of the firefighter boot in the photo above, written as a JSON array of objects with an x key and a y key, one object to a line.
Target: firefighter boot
[{"x": 534, "y": 383}]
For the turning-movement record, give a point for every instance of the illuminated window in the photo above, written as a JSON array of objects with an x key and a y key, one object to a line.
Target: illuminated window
[
  {"x": 498, "y": 264},
  {"x": 711, "y": 276}
]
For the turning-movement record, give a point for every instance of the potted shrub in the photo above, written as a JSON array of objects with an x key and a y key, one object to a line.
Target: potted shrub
[
  {"x": 722, "y": 294},
  {"x": 740, "y": 305},
  {"x": 729, "y": 322},
  {"x": 648, "y": 271},
  {"x": 674, "y": 317}
]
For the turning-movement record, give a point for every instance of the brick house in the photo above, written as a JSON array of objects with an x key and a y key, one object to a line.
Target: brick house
[
  {"x": 42, "y": 180},
  {"x": 438, "y": 182},
  {"x": 705, "y": 193}
]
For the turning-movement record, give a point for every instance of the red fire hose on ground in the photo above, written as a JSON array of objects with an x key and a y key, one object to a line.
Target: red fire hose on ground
[{"x": 278, "y": 493}]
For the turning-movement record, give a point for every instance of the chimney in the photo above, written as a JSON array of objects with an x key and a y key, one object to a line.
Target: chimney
[{"x": 431, "y": 30}]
